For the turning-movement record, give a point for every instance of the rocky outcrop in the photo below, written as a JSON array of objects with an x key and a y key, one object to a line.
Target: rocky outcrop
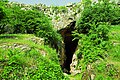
[
  {"x": 21, "y": 45},
  {"x": 73, "y": 65},
  {"x": 61, "y": 15}
]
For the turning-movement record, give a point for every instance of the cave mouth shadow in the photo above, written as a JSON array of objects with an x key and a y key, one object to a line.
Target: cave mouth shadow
[{"x": 70, "y": 46}]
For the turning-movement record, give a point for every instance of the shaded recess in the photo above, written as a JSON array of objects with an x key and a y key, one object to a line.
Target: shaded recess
[{"x": 70, "y": 45}]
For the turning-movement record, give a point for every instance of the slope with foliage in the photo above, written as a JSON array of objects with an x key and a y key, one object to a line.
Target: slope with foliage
[
  {"x": 22, "y": 58},
  {"x": 31, "y": 21},
  {"x": 93, "y": 31}
]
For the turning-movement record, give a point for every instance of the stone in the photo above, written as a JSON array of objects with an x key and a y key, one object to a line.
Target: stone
[
  {"x": 73, "y": 65},
  {"x": 92, "y": 77}
]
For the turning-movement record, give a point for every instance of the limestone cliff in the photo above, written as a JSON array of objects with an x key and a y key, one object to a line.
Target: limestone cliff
[{"x": 61, "y": 15}]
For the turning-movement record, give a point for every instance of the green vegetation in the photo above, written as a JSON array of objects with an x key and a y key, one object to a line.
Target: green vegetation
[
  {"x": 59, "y": 9},
  {"x": 107, "y": 68},
  {"x": 28, "y": 39},
  {"x": 28, "y": 65},
  {"x": 2, "y": 13},
  {"x": 115, "y": 40},
  {"x": 22, "y": 55},
  {"x": 27, "y": 59},
  {"x": 28, "y": 21},
  {"x": 93, "y": 30}
]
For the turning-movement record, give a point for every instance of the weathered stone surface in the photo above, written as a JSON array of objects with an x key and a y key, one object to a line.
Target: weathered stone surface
[
  {"x": 61, "y": 15},
  {"x": 73, "y": 65},
  {"x": 37, "y": 40},
  {"x": 23, "y": 47}
]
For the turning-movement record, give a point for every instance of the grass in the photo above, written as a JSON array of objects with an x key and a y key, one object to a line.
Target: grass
[
  {"x": 26, "y": 40},
  {"x": 113, "y": 54},
  {"x": 114, "y": 51},
  {"x": 38, "y": 62},
  {"x": 21, "y": 39},
  {"x": 115, "y": 33}
]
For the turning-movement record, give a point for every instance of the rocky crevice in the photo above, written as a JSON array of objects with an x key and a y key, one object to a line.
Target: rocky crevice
[{"x": 70, "y": 46}]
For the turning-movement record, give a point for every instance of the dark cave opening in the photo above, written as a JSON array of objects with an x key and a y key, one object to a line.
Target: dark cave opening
[{"x": 70, "y": 46}]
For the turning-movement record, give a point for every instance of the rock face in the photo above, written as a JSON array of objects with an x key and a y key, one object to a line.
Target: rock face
[
  {"x": 20, "y": 45},
  {"x": 73, "y": 65},
  {"x": 70, "y": 46},
  {"x": 61, "y": 15},
  {"x": 64, "y": 20}
]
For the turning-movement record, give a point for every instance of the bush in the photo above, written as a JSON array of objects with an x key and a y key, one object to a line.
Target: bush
[
  {"x": 103, "y": 11},
  {"x": 105, "y": 71},
  {"x": 20, "y": 20},
  {"x": 2, "y": 13},
  {"x": 93, "y": 45},
  {"x": 92, "y": 30},
  {"x": 16, "y": 64}
]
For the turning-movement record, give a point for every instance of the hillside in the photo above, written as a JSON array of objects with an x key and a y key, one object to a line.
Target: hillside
[
  {"x": 109, "y": 68},
  {"x": 24, "y": 45},
  {"x": 78, "y": 41},
  {"x": 24, "y": 56}
]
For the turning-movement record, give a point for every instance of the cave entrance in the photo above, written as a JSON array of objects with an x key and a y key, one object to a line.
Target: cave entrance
[{"x": 70, "y": 46}]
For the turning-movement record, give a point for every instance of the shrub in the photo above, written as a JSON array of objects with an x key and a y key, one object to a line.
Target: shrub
[
  {"x": 2, "y": 14},
  {"x": 94, "y": 44},
  {"x": 105, "y": 71},
  {"x": 103, "y": 11},
  {"x": 92, "y": 30},
  {"x": 29, "y": 65},
  {"x": 31, "y": 21}
]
